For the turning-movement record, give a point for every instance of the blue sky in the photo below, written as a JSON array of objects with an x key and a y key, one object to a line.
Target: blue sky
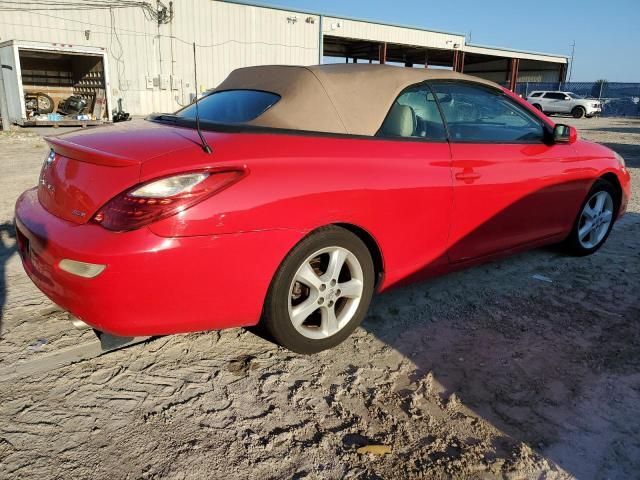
[{"x": 607, "y": 33}]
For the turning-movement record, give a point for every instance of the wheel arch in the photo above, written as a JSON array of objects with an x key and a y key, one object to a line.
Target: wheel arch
[
  {"x": 612, "y": 178},
  {"x": 579, "y": 107},
  {"x": 372, "y": 246}
]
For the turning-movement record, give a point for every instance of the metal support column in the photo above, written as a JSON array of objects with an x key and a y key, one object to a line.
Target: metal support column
[
  {"x": 4, "y": 107},
  {"x": 382, "y": 53},
  {"x": 460, "y": 62},
  {"x": 320, "y": 40},
  {"x": 514, "y": 64}
]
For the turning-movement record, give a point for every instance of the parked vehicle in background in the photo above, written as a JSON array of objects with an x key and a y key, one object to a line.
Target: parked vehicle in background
[
  {"x": 291, "y": 194},
  {"x": 565, "y": 102}
]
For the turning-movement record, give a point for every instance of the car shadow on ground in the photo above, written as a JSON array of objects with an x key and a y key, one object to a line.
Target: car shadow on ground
[
  {"x": 7, "y": 248},
  {"x": 539, "y": 364}
]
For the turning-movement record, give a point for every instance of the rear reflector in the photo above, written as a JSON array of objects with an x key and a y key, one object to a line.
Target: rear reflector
[{"x": 82, "y": 269}]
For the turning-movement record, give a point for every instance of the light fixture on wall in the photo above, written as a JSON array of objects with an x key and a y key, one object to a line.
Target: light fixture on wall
[
  {"x": 87, "y": 34},
  {"x": 292, "y": 19}
]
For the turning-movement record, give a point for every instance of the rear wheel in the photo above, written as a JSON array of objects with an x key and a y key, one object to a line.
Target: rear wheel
[
  {"x": 321, "y": 292},
  {"x": 595, "y": 220},
  {"x": 578, "y": 112}
]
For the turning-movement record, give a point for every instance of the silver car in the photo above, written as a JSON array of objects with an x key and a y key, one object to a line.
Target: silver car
[{"x": 564, "y": 102}]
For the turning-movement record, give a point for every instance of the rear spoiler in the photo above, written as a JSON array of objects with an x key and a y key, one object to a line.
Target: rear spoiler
[{"x": 87, "y": 154}]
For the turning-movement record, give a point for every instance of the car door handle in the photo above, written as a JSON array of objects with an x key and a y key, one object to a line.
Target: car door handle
[{"x": 467, "y": 176}]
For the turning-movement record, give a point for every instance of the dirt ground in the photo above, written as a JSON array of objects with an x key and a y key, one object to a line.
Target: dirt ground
[{"x": 487, "y": 373}]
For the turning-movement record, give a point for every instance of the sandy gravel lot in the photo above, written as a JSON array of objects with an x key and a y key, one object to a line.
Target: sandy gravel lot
[{"x": 487, "y": 373}]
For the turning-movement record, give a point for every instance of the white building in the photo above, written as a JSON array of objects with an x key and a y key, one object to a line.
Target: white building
[{"x": 150, "y": 49}]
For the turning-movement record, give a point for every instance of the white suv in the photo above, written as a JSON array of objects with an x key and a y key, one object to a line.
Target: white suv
[{"x": 564, "y": 102}]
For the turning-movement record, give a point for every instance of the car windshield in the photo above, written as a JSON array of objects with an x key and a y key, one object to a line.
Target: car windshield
[
  {"x": 231, "y": 106},
  {"x": 573, "y": 95}
]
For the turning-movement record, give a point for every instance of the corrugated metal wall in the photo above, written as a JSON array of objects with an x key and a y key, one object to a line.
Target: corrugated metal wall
[{"x": 228, "y": 36}]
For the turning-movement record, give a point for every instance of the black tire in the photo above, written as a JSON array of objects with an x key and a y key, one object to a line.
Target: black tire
[
  {"x": 572, "y": 244},
  {"x": 578, "y": 112},
  {"x": 538, "y": 106},
  {"x": 275, "y": 317}
]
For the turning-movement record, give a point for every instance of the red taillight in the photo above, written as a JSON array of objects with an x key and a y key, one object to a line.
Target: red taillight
[{"x": 145, "y": 204}]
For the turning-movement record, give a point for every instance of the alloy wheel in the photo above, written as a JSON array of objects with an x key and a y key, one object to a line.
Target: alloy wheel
[
  {"x": 595, "y": 219},
  {"x": 325, "y": 292}
]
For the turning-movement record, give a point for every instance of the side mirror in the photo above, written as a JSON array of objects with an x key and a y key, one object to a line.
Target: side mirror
[{"x": 564, "y": 134}]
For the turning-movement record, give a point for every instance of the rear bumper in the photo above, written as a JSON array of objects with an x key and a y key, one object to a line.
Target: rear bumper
[{"x": 152, "y": 285}]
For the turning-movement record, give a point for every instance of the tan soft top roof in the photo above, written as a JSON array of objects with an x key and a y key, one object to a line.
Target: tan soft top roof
[{"x": 338, "y": 98}]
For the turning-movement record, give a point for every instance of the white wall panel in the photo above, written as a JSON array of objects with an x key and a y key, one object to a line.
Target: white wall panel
[{"x": 228, "y": 35}]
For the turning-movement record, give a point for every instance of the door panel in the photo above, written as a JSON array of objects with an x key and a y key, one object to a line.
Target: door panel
[
  {"x": 551, "y": 105},
  {"x": 509, "y": 195},
  {"x": 510, "y": 187}
]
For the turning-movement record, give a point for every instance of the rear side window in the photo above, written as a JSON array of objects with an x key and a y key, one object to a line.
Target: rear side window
[
  {"x": 231, "y": 106},
  {"x": 414, "y": 114},
  {"x": 537, "y": 94},
  {"x": 555, "y": 96}
]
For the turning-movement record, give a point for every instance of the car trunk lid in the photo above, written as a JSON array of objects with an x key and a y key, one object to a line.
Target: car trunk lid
[{"x": 91, "y": 167}]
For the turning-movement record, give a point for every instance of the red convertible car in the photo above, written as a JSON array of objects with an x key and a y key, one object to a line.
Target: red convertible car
[{"x": 289, "y": 195}]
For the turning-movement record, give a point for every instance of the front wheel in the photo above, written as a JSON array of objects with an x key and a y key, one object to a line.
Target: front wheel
[
  {"x": 578, "y": 112},
  {"x": 595, "y": 220},
  {"x": 321, "y": 292}
]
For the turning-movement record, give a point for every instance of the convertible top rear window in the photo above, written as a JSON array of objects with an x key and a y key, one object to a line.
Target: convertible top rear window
[{"x": 231, "y": 106}]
